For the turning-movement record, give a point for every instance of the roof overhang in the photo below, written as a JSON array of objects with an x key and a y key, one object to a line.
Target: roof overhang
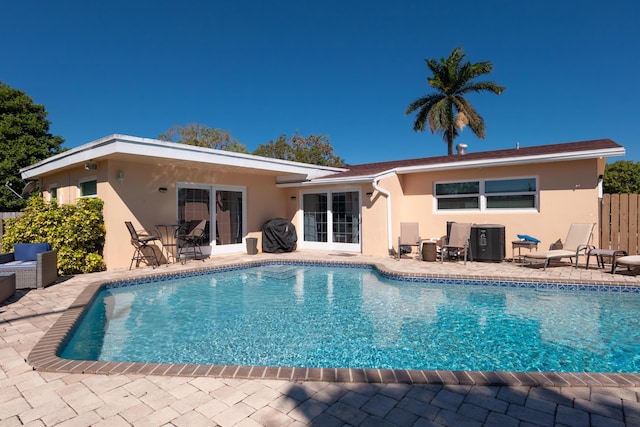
[
  {"x": 462, "y": 164},
  {"x": 517, "y": 160},
  {"x": 117, "y": 146}
]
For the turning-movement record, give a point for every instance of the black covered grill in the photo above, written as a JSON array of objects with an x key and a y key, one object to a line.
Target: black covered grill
[{"x": 279, "y": 235}]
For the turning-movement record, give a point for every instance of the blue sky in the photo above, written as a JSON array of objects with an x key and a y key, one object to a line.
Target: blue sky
[{"x": 346, "y": 69}]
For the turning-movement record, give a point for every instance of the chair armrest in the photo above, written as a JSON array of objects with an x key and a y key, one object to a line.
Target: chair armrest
[
  {"x": 47, "y": 265},
  {"x": 585, "y": 248},
  {"x": 4, "y": 258}
]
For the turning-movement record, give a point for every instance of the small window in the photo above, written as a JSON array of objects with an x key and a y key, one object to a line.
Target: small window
[
  {"x": 510, "y": 185},
  {"x": 458, "y": 195},
  {"x": 519, "y": 193},
  {"x": 53, "y": 192},
  {"x": 89, "y": 188}
]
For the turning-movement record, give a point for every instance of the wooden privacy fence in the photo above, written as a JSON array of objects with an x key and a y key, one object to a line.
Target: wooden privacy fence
[{"x": 619, "y": 222}]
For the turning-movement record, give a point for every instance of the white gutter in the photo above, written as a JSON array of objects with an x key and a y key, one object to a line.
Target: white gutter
[{"x": 376, "y": 187}]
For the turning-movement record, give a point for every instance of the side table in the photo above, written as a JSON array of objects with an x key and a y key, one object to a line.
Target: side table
[{"x": 519, "y": 244}]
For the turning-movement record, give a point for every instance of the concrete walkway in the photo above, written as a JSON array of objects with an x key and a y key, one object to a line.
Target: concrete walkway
[{"x": 29, "y": 397}]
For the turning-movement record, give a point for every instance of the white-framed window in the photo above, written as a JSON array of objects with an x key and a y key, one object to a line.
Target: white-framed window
[
  {"x": 520, "y": 193},
  {"x": 88, "y": 187},
  {"x": 53, "y": 191}
]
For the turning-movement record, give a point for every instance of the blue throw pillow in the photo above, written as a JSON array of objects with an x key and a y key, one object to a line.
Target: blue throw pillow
[
  {"x": 29, "y": 251},
  {"x": 528, "y": 238}
]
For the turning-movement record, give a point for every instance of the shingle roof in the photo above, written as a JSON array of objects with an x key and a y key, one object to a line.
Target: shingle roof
[{"x": 370, "y": 169}]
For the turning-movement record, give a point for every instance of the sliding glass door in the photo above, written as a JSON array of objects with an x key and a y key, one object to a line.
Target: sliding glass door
[
  {"x": 331, "y": 220},
  {"x": 222, "y": 211}
]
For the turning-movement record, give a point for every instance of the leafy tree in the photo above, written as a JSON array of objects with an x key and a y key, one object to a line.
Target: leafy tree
[
  {"x": 24, "y": 140},
  {"x": 452, "y": 79},
  {"x": 203, "y": 136},
  {"x": 313, "y": 149},
  {"x": 622, "y": 176}
]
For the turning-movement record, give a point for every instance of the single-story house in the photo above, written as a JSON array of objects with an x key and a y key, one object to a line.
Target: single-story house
[{"x": 537, "y": 191}]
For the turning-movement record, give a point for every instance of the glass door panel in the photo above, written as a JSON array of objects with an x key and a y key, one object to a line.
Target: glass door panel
[
  {"x": 193, "y": 208},
  {"x": 229, "y": 227},
  {"x": 345, "y": 208},
  {"x": 315, "y": 217}
]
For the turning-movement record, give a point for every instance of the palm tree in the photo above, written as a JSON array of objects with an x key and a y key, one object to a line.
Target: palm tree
[{"x": 452, "y": 80}]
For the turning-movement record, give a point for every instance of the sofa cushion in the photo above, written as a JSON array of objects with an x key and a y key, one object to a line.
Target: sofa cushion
[
  {"x": 29, "y": 251},
  {"x": 18, "y": 264}
]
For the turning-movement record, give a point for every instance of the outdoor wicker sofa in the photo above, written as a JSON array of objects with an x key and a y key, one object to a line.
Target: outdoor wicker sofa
[{"x": 34, "y": 264}]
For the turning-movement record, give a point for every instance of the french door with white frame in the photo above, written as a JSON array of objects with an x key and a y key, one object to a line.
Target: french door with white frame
[{"x": 331, "y": 220}]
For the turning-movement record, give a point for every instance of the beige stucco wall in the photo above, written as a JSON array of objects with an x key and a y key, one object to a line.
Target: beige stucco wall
[
  {"x": 138, "y": 199},
  {"x": 568, "y": 193}
]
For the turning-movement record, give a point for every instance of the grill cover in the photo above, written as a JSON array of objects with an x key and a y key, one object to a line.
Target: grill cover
[{"x": 278, "y": 235}]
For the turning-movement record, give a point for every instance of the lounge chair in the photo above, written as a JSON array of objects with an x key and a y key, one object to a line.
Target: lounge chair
[
  {"x": 409, "y": 236},
  {"x": 457, "y": 241},
  {"x": 628, "y": 261},
  {"x": 142, "y": 251},
  {"x": 575, "y": 245}
]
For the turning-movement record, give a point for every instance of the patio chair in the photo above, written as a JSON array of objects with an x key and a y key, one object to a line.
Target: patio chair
[
  {"x": 35, "y": 265},
  {"x": 409, "y": 236},
  {"x": 575, "y": 245},
  {"x": 142, "y": 251},
  {"x": 457, "y": 241},
  {"x": 190, "y": 239}
]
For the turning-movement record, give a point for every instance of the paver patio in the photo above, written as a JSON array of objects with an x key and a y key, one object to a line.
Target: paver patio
[{"x": 29, "y": 397}]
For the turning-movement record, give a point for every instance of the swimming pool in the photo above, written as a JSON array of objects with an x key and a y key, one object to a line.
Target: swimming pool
[{"x": 311, "y": 316}]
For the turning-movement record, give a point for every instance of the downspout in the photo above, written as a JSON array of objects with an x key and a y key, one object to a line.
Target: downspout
[{"x": 376, "y": 187}]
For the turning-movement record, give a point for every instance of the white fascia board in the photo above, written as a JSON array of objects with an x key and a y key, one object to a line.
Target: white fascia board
[
  {"x": 123, "y": 144},
  {"x": 360, "y": 179},
  {"x": 327, "y": 181},
  {"x": 521, "y": 160}
]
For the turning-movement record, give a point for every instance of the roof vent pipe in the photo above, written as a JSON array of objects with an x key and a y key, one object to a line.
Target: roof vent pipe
[{"x": 461, "y": 148}]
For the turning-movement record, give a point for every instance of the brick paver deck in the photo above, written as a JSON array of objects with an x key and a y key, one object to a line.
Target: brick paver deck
[{"x": 37, "y": 397}]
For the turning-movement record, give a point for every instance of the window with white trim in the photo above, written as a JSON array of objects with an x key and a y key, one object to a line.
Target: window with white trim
[
  {"x": 53, "y": 192},
  {"x": 487, "y": 195},
  {"x": 88, "y": 188}
]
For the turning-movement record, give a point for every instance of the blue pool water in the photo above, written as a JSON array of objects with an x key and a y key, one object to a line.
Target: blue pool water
[{"x": 312, "y": 316}]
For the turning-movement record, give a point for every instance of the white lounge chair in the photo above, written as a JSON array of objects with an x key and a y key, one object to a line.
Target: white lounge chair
[
  {"x": 629, "y": 261},
  {"x": 575, "y": 245}
]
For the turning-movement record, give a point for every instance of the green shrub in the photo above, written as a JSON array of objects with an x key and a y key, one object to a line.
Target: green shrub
[{"x": 76, "y": 231}]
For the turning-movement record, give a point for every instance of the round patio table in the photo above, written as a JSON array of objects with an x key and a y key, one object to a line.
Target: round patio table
[{"x": 168, "y": 234}]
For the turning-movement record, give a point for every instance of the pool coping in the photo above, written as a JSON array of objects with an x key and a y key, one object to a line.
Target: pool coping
[{"x": 43, "y": 357}]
